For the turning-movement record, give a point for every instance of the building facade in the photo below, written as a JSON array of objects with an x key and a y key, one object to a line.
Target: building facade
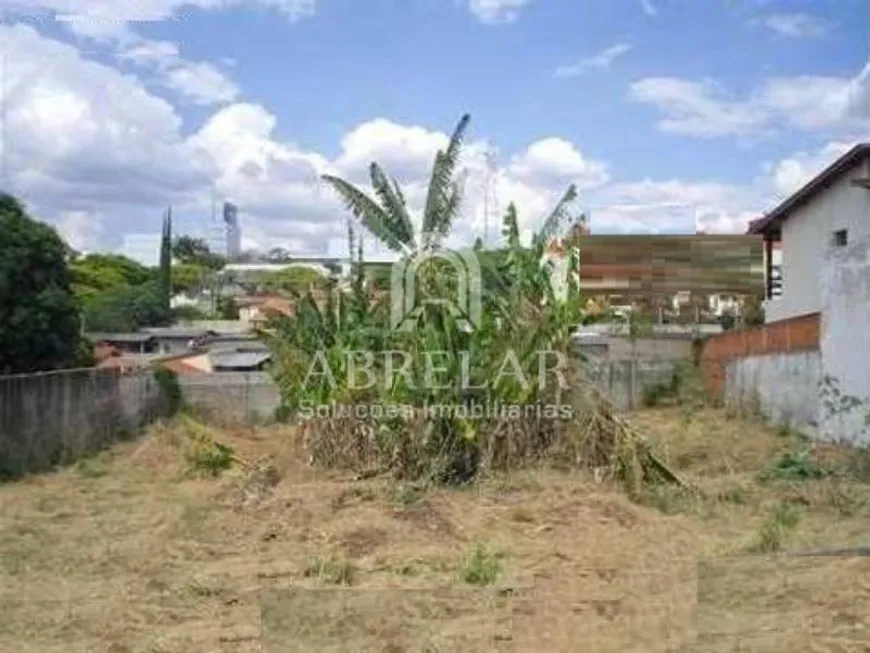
[{"x": 828, "y": 213}]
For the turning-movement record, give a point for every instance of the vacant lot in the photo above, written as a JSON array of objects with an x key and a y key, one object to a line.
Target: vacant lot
[{"x": 129, "y": 553}]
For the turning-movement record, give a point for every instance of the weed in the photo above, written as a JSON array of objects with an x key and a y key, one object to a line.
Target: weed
[
  {"x": 736, "y": 494},
  {"x": 404, "y": 496},
  {"x": 481, "y": 567},
  {"x": 197, "y": 589},
  {"x": 91, "y": 468},
  {"x": 794, "y": 466},
  {"x": 170, "y": 391},
  {"x": 653, "y": 394},
  {"x": 669, "y": 500},
  {"x": 858, "y": 466},
  {"x": 210, "y": 458},
  {"x": 408, "y": 570},
  {"x": 774, "y": 530},
  {"x": 522, "y": 515},
  {"x": 352, "y": 495},
  {"x": 331, "y": 570}
]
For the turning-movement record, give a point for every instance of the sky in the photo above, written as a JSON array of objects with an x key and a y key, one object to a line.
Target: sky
[{"x": 668, "y": 115}]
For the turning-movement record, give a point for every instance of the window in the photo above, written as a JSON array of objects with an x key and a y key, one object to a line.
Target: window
[{"x": 841, "y": 238}]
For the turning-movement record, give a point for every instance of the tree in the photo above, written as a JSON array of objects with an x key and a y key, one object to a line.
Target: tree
[
  {"x": 95, "y": 274},
  {"x": 228, "y": 309},
  {"x": 295, "y": 279},
  {"x": 195, "y": 251},
  {"x": 278, "y": 255},
  {"x": 39, "y": 322},
  {"x": 189, "y": 278},
  {"x": 103, "y": 271},
  {"x": 727, "y": 320},
  {"x": 165, "y": 273},
  {"x": 753, "y": 311},
  {"x": 127, "y": 309},
  {"x": 188, "y": 314}
]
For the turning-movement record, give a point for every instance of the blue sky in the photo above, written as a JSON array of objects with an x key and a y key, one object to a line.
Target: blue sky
[{"x": 667, "y": 113}]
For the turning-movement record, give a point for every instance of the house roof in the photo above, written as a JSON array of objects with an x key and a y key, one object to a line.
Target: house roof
[
  {"x": 239, "y": 360},
  {"x": 178, "y": 332},
  {"x": 132, "y": 338},
  {"x": 772, "y": 222},
  {"x": 196, "y": 364},
  {"x": 103, "y": 352},
  {"x": 128, "y": 361}
]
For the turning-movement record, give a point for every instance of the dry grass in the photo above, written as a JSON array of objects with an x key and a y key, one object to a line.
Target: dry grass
[{"x": 129, "y": 553}]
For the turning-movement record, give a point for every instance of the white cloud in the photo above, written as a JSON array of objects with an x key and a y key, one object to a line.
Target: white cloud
[
  {"x": 497, "y": 11},
  {"x": 199, "y": 82},
  {"x": 95, "y": 153},
  {"x": 674, "y": 206},
  {"x": 406, "y": 152},
  {"x": 600, "y": 61},
  {"x": 83, "y": 137},
  {"x": 697, "y": 108},
  {"x": 554, "y": 162},
  {"x": 80, "y": 229},
  {"x": 95, "y": 17},
  {"x": 794, "y": 171},
  {"x": 202, "y": 83},
  {"x": 705, "y": 109},
  {"x": 797, "y": 26},
  {"x": 649, "y": 8}
]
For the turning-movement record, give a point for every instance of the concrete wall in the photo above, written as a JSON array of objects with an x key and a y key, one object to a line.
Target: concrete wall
[
  {"x": 806, "y": 240},
  {"x": 650, "y": 348},
  {"x": 54, "y": 418},
  {"x": 232, "y": 398},
  {"x": 783, "y": 386},
  {"x": 845, "y": 282},
  {"x": 622, "y": 381}
]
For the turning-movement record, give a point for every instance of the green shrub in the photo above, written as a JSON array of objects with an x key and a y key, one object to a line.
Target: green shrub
[
  {"x": 170, "y": 391},
  {"x": 210, "y": 458},
  {"x": 653, "y": 394},
  {"x": 481, "y": 567},
  {"x": 794, "y": 466},
  {"x": 774, "y": 530}
]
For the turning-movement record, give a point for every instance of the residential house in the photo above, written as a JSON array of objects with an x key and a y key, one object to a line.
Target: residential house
[
  {"x": 829, "y": 212},
  {"x": 177, "y": 339},
  {"x": 256, "y": 310},
  {"x": 126, "y": 343}
]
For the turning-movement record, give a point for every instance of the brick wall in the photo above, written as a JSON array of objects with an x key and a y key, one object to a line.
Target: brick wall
[{"x": 796, "y": 334}]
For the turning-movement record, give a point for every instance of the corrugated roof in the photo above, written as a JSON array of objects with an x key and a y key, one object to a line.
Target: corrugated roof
[
  {"x": 773, "y": 220},
  {"x": 238, "y": 360},
  {"x": 180, "y": 332},
  {"x": 119, "y": 337}
]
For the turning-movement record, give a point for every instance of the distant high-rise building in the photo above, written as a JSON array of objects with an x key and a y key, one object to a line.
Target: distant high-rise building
[
  {"x": 142, "y": 248},
  {"x": 233, "y": 231}
]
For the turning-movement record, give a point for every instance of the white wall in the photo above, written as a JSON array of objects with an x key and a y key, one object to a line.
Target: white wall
[
  {"x": 806, "y": 239},
  {"x": 785, "y": 387},
  {"x": 845, "y": 339}
]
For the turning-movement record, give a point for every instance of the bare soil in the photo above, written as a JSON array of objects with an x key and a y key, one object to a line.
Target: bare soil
[{"x": 129, "y": 553}]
